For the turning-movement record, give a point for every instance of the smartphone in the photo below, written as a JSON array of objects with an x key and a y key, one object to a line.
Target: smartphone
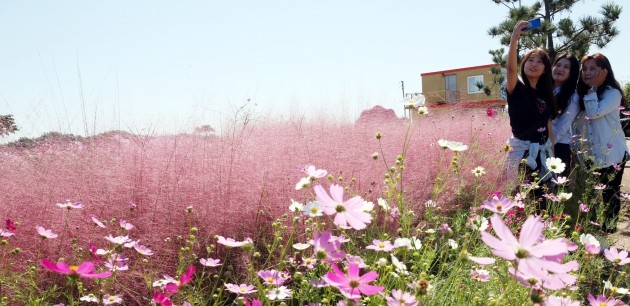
[{"x": 533, "y": 24}]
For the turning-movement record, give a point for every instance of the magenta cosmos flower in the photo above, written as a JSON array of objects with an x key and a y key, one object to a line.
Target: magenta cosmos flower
[
  {"x": 83, "y": 270},
  {"x": 183, "y": 280},
  {"x": 601, "y": 300},
  {"x": 527, "y": 246},
  {"x": 326, "y": 248},
  {"x": 616, "y": 257},
  {"x": 352, "y": 285},
  {"x": 348, "y": 214}
]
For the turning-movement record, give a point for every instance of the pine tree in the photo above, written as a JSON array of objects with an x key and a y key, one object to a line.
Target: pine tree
[{"x": 7, "y": 125}]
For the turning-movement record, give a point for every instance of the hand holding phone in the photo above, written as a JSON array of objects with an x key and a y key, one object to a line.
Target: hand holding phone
[{"x": 533, "y": 24}]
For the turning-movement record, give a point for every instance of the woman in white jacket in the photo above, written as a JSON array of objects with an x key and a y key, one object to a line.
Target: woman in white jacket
[
  {"x": 602, "y": 137},
  {"x": 565, "y": 73}
]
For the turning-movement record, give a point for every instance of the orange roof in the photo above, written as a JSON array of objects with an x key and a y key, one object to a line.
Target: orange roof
[{"x": 459, "y": 69}]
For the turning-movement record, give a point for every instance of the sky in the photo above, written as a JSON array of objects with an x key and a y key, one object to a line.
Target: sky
[{"x": 154, "y": 66}]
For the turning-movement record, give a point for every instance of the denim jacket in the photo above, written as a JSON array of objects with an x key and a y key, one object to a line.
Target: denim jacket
[{"x": 600, "y": 129}]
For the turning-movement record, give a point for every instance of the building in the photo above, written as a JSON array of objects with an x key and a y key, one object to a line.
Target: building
[{"x": 459, "y": 87}]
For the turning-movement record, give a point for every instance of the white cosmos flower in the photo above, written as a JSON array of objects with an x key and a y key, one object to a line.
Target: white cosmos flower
[
  {"x": 301, "y": 246},
  {"x": 382, "y": 203},
  {"x": 304, "y": 182},
  {"x": 423, "y": 110},
  {"x": 452, "y": 145},
  {"x": 555, "y": 165},
  {"x": 479, "y": 171},
  {"x": 400, "y": 267},
  {"x": 609, "y": 286},
  {"x": 563, "y": 196},
  {"x": 313, "y": 209},
  {"x": 453, "y": 244},
  {"x": 295, "y": 206},
  {"x": 367, "y": 206}
]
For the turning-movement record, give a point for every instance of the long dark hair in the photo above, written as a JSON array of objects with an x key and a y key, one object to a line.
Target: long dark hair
[
  {"x": 567, "y": 89},
  {"x": 545, "y": 83},
  {"x": 602, "y": 62}
]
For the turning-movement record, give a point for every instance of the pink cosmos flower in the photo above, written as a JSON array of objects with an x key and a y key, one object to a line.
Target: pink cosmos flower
[
  {"x": 601, "y": 300},
  {"x": 183, "y": 280},
  {"x": 599, "y": 187},
  {"x": 308, "y": 262},
  {"x": 528, "y": 245},
  {"x": 482, "y": 260},
  {"x": 230, "y": 242},
  {"x": 561, "y": 180},
  {"x": 400, "y": 298},
  {"x": 480, "y": 275},
  {"x": 46, "y": 234},
  {"x": 209, "y": 262},
  {"x": 162, "y": 298},
  {"x": 5, "y": 233},
  {"x": 10, "y": 225},
  {"x": 253, "y": 303},
  {"x": 357, "y": 260},
  {"x": 314, "y": 173},
  {"x": 591, "y": 244},
  {"x": 377, "y": 245},
  {"x": 126, "y": 225},
  {"x": 83, "y": 270},
  {"x": 326, "y": 249},
  {"x": 273, "y": 277},
  {"x": 69, "y": 205},
  {"x": 142, "y": 249},
  {"x": 112, "y": 299},
  {"x": 499, "y": 205},
  {"x": 490, "y": 112},
  {"x": 584, "y": 208},
  {"x": 352, "y": 285},
  {"x": 553, "y": 300},
  {"x": 348, "y": 214},
  {"x": 547, "y": 274},
  {"x": 97, "y": 222},
  {"x": 241, "y": 289},
  {"x": 617, "y": 258}
]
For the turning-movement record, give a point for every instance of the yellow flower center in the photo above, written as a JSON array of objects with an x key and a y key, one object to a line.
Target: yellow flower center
[
  {"x": 74, "y": 268},
  {"x": 499, "y": 207},
  {"x": 314, "y": 210},
  {"x": 270, "y": 279},
  {"x": 381, "y": 245}
]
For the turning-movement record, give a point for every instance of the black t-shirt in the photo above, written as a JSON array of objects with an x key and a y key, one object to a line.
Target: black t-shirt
[{"x": 529, "y": 114}]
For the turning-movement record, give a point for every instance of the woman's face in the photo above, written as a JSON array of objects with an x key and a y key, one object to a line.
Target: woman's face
[
  {"x": 589, "y": 71},
  {"x": 561, "y": 71},
  {"x": 534, "y": 66}
]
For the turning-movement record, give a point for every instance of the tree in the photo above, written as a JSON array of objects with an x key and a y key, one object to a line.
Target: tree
[
  {"x": 626, "y": 94},
  {"x": 7, "y": 125},
  {"x": 558, "y": 33}
]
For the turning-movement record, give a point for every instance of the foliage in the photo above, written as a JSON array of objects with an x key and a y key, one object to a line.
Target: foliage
[
  {"x": 7, "y": 125},
  {"x": 559, "y": 33}
]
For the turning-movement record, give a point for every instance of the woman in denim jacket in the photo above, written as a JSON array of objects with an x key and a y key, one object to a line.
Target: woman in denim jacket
[{"x": 603, "y": 143}]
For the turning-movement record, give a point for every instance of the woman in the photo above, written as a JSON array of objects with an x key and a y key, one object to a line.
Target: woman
[
  {"x": 565, "y": 73},
  {"x": 600, "y": 128},
  {"x": 531, "y": 106}
]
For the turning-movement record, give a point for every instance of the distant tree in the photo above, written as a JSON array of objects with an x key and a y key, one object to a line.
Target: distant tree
[
  {"x": 558, "y": 34},
  {"x": 7, "y": 125},
  {"x": 626, "y": 94}
]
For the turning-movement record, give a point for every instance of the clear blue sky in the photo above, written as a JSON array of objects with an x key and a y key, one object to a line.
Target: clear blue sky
[{"x": 173, "y": 65}]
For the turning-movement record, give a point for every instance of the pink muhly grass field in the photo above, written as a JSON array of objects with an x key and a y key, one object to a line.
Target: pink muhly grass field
[{"x": 237, "y": 183}]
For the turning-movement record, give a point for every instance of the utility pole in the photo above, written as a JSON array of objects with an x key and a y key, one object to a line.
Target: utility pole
[{"x": 402, "y": 84}]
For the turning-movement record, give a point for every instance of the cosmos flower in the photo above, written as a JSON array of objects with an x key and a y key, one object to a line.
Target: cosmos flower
[
  {"x": 352, "y": 285},
  {"x": 279, "y": 293},
  {"x": 85, "y": 269},
  {"x": 46, "y": 234},
  {"x": 240, "y": 289},
  {"x": 616, "y": 257},
  {"x": 69, "y": 205},
  {"x": 349, "y": 213},
  {"x": 555, "y": 165},
  {"x": 378, "y": 245},
  {"x": 400, "y": 298},
  {"x": 209, "y": 262}
]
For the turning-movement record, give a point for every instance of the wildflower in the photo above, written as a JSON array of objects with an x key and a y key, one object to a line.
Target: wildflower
[
  {"x": 445, "y": 229},
  {"x": 142, "y": 249},
  {"x": 46, "y": 234},
  {"x": 308, "y": 262},
  {"x": 555, "y": 165},
  {"x": 295, "y": 206},
  {"x": 590, "y": 243},
  {"x": 490, "y": 112},
  {"x": 430, "y": 203},
  {"x": 313, "y": 209},
  {"x": 126, "y": 225},
  {"x": 357, "y": 260},
  {"x": 381, "y": 262},
  {"x": 453, "y": 244},
  {"x": 382, "y": 203},
  {"x": 553, "y": 300},
  {"x": 478, "y": 223},
  {"x": 273, "y": 277},
  {"x": 10, "y": 225},
  {"x": 240, "y": 289},
  {"x": 528, "y": 245},
  {"x": 97, "y": 222},
  {"x": 599, "y": 187},
  {"x": 301, "y": 246},
  {"x": 401, "y": 268},
  {"x": 499, "y": 205},
  {"x": 90, "y": 298},
  {"x": 279, "y": 293},
  {"x": 480, "y": 275},
  {"x": 601, "y": 300},
  {"x": 209, "y": 262},
  {"x": 367, "y": 206},
  {"x": 254, "y": 302},
  {"x": 112, "y": 299},
  {"x": 348, "y": 214},
  {"x": 400, "y": 298},
  {"x": 313, "y": 173},
  {"x": 478, "y": 171},
  {"x": 624, "y": 196},
  {"x": 184, "y": 279},
  {"x": 230, "y": 242},
  {"x": 118, "y": 240},
  {"x": 114, "y": 265},
  {"x": 162, "y": 298},
  {"x": 452, "y": 145},
  {"x": 164, "y": 281},
  {"x": 5, "y": 233},
  {"x": 564, "y": 196},
  {"x": 83, "y": 270},
  {"x": 352, "y": 285},
  {"x": 616, "y": 290},
  {"x": 326, "y": 249},
  {"x": 423, "y": 110},
  {"x": 561, "y": 180},
  {"x": 69, "y": 205},
  {"x": 584, "y": 208},
  {"x": 617, "y": 258},
  {"x": 378, "y": 245}
]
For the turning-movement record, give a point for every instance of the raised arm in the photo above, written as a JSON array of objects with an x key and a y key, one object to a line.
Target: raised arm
[{"x": 512, "y": 60}]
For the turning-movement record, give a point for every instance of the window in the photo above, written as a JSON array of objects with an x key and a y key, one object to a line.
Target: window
[{"x": 472, "y": 84}]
